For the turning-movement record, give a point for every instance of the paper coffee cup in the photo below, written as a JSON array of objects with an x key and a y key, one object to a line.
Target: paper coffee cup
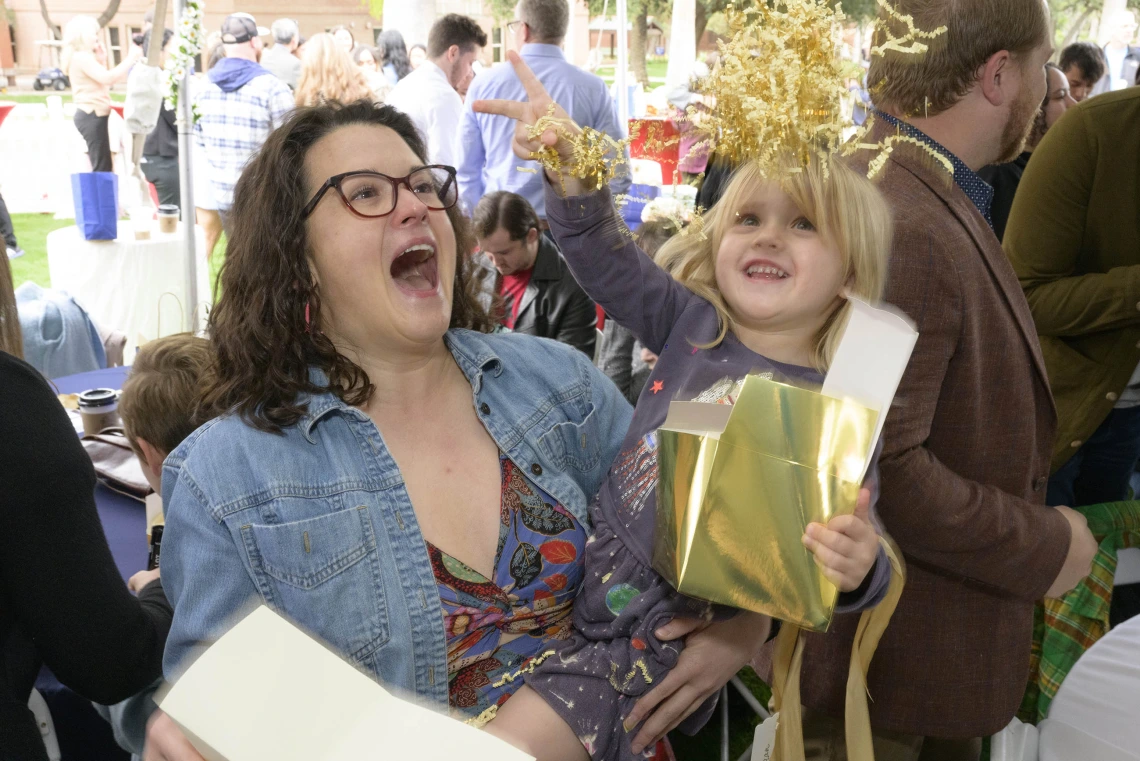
[
  {"x": 98, "y": 408},
  {"x": 141, "y": 219},
  {"x": 168, "y": 218}
]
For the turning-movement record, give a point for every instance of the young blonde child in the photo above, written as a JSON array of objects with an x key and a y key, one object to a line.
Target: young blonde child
[{"x": 760, "y": 287}]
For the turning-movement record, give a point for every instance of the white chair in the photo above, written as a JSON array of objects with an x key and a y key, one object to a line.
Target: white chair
[
  {"x": 39, "y": 708},
  {"x": 1094, "y": 715}
]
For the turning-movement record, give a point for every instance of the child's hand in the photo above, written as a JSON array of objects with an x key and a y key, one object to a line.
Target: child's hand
[
  {"x": 845, "y": 549},
  {"x": 525, "y": 113}
]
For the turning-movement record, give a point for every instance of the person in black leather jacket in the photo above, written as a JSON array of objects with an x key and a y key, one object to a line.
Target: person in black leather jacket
[{"x": 539, "y": 295}]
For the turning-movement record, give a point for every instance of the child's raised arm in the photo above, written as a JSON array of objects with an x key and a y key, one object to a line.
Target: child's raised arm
[{"x": 608, "y": 265}]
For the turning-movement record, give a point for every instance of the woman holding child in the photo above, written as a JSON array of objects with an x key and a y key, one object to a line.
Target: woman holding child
[
  {"x": 356, "y": 364},
  {"x": 386, "y": 466}
]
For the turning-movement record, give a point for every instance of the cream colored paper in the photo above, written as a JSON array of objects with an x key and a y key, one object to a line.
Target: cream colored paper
[
  {"x": 266, "y": 690},
  {"x": 871, "y": 359}
]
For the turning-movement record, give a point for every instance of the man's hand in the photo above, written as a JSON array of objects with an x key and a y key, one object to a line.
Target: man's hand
[
  {"x": 713, "y": 654},
  {"x": 165, "y": 741},
  {"x": 141, "y": 579},
  {"x": 845, "y": 549},
  {"x": 1082, "y": 549}
]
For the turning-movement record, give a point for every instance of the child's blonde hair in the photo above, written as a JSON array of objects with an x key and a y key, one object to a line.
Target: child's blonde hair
[{"x": 843, "y": 205}]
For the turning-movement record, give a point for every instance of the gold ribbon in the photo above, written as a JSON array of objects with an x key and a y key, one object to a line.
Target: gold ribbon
[{"x": 788, "y": 661}]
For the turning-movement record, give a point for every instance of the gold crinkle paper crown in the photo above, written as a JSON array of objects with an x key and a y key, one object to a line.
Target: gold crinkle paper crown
[
  {"x": 780, "y": 83},
  {"x": 780, "y": 86}
]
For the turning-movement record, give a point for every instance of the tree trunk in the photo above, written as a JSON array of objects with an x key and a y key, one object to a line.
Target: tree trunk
[
  {"x": 701, "y": 22},
  {"x": 106, "y": 16},
  {"x": 53, "y": 28},
  {"x": 413, "y": 19},
  {"x": 638, "y": 45}
]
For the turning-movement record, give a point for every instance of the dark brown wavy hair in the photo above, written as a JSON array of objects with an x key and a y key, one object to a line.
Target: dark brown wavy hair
[{"x": 263, "y": 346}]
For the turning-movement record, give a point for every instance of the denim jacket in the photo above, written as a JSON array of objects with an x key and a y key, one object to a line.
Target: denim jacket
[{"x": 317, "y": 524}]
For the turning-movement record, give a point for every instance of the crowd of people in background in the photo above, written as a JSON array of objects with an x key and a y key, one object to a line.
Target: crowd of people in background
[{"x": 1026, "y": 298}]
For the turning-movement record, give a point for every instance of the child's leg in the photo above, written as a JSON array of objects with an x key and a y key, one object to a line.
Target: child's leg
[{"x": 527, "y": 722}]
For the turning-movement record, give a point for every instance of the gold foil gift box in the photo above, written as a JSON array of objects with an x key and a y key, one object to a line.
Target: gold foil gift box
[{"x": 739, "y": 484}]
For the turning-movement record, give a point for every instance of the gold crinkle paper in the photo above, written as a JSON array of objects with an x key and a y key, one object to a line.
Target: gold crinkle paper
[{"x": 780, "y": 86}]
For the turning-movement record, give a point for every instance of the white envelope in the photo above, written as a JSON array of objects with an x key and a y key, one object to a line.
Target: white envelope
[{"x": 266, "y": 690}]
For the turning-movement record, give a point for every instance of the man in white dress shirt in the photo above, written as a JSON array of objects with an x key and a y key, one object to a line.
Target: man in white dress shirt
[
  {"x": 430, "y": 94},
  {"x": 1122, "y": 56}
]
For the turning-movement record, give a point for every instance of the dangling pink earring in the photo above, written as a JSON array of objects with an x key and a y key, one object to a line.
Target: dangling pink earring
[{"x": 306, "y": 317}]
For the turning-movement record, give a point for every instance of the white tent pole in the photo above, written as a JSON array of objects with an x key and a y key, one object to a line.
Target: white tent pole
[
  {"x": 682, "y": 42},
  {"x": 622, "y": 67},
  {"x": 185, "y": 123}
]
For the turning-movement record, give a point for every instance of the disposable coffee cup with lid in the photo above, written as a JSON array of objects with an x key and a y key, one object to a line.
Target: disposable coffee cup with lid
[
  {"x": 168, "y": 214},
  {"x": 98, "y": 407}
]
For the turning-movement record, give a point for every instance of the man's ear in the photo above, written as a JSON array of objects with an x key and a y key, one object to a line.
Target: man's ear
[
  {"x": 453, "y": 53},
  {"x": 532, "y": 236},
  {"x": 999, "y": 73}
]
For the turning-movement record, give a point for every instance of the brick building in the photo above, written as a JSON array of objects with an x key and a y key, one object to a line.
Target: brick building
[{"x": 33, "y": 50}]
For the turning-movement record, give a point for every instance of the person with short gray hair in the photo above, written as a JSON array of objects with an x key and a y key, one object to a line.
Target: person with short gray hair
[
  {"x": 547, "y": 19},
  {"x": 280, "y": 59},
  {"x": 487, "y": 163}
]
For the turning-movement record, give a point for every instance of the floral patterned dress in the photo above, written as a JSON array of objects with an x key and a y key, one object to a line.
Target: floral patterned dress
[{"x": 498, "y": 628}]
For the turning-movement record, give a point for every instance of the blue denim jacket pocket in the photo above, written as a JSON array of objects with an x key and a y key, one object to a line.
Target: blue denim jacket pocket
[
  {"x": 325, "y": 573},
  {"x": 575, "y": 445}
]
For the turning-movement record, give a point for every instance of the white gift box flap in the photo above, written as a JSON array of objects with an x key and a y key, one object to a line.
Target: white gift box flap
[
  {"x": 267, "y": 690},
  {"x": 871, "y": 359}
]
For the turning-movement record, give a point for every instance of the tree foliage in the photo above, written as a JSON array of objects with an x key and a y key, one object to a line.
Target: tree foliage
[{"x": 375, "y": 8}]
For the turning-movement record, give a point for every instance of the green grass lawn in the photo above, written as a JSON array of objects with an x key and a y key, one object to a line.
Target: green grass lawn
[
  {"x": 41, "y": 97},
  {"x": 32, "y": 231},
  {"x": 655, "y": 66}
]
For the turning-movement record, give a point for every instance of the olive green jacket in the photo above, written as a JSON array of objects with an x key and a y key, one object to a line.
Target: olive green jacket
[{"x": 1074, "y": 240}]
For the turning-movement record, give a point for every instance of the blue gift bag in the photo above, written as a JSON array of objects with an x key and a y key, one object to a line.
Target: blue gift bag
[{"x": 96, "y": 196}]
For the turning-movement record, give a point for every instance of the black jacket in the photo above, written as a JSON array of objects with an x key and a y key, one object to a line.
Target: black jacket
[
  {"x": 554, "y": 305},
  {"x": 62, "y": 601}
]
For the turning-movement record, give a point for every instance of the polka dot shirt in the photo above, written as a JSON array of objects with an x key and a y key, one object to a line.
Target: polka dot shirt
[{"x": 975, "y": 188}]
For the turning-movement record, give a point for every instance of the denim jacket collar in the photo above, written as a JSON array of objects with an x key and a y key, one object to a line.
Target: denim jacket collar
[{"x": 472, "y": 353}]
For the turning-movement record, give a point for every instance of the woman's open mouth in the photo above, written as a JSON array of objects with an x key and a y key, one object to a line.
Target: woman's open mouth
[{"x": 416, "y": 271}]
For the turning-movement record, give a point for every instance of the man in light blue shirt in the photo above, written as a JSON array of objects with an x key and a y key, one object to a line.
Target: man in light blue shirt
[{"x": 487, "y": 162}]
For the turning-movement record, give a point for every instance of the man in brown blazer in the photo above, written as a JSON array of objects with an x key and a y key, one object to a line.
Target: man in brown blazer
[{"x": 967, "y": 445}]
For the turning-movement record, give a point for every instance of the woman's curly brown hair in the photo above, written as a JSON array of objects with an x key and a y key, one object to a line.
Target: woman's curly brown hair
[{"x": 264, "y": 348}]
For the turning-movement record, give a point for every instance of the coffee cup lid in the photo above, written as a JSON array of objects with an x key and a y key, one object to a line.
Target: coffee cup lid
[
  {"x": 168, "y": 208},
  {"x": 98, "y": 397}
]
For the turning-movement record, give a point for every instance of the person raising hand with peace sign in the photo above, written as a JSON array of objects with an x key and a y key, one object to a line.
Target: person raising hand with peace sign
[{"x": 760, "y": 292}]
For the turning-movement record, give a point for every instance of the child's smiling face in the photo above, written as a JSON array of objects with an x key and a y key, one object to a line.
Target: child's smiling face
[{"x": 774, "y": 269}]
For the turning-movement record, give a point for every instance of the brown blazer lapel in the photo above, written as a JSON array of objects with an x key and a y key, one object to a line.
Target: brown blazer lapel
[{"x": 931, "y": 174}]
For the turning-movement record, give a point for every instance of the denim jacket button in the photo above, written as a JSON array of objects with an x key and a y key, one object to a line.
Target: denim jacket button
[
  {"x": 536, "y": 469},
  {"x": 486, "y": 410}
]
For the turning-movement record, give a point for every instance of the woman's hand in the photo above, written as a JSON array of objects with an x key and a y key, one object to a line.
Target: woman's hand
[
  {"x": 141, "y": 579},
  {"x": 525, "y": 114},
  {"x": 845, "y": 549},
  {"x": 713, "y": 654},
  {"x": 165, "y": 741}
]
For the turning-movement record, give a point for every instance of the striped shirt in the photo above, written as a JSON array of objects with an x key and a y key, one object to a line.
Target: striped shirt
[{"x": 233, "y": 125}]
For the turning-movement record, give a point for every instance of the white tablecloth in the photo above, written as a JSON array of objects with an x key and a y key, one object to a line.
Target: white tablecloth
[
  {"x": 134, "y": 286},
  {"x": 1096, "y": 714}
]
